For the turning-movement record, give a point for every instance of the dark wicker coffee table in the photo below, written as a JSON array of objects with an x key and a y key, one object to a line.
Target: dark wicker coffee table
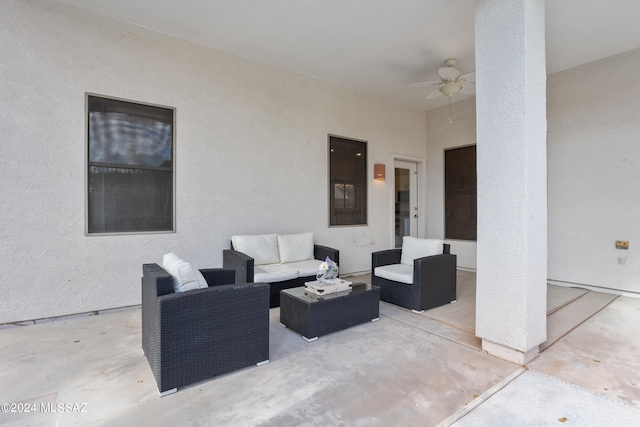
[{"x": 313, "y": 315}]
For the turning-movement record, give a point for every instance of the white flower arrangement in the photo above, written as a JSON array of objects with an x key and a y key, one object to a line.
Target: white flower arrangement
[{"x": 328, "y": 269}]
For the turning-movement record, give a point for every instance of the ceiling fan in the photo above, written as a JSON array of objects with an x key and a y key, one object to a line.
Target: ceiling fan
[{"x": 451, "y": 81}]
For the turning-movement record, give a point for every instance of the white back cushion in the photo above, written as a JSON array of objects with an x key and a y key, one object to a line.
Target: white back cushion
[
  {"x": 262, "y": 248},
  {"x": 185, "y": 276},
  {"x": 413, "y": 248},
  {"x": 295, "y": 247}
]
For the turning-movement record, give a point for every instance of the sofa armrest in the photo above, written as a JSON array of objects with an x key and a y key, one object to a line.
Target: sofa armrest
[
  {"x": 322, "y": 252},
  {"x": 219, "y": 276},
  {"x": 241, "y": 263},
  {"x": 386, "y": 257}
]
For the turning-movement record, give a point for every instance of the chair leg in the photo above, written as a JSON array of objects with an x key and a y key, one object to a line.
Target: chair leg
[
  {"x": 264, "y": 362},
  {"x": 417, "y": 311},
  {"x": 168, "y": 392}
]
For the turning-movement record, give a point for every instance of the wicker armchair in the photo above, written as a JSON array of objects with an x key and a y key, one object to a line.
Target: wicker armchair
[
  {"x": 433, "y": 284},
  {"x": 195, "y": 335}
]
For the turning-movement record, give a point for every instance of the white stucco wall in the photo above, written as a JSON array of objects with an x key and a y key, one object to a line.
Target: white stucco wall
[
  {"x": 442, "y": 135},
  {"x": 594, "y": 173},
  {"x": 593, "y": 167},
  {"x": 251, "y": 155}
]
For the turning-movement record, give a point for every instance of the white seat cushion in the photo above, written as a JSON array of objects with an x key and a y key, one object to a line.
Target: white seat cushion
[
  {"x": 402, "y": 273},
  {"x": 262, "y": 248},
  {"x": 413, "y": 248},
  {"x": 273, "y": 273},
  {"x": 295, "y": 247},
  {"x": 185, "y": 276},
  {"x": 308, "y": 267}
]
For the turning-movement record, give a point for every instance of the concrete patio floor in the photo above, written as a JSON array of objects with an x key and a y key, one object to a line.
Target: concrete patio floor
[{"x": 404, "y": 370}]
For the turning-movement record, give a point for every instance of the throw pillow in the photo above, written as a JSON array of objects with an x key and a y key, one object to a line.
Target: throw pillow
[
  {"x": 413, "y": 248},
  {"x": 185, "y": 276},
  {"x": 295, "y": 247}
]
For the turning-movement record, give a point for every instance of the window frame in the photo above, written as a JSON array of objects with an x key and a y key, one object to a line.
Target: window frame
[
  {"x": 361, "y": 181},
  {"x": 89, "y": 164}
]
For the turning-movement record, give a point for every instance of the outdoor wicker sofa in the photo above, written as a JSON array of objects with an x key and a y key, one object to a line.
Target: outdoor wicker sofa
[
  {"x": 195, "y": 335},
  {"x": 428, "y": 282},
  {"x": 283, "y": 261}
]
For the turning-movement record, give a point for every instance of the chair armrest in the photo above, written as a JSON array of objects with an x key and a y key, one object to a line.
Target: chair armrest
[
  {"x": 212, "y": 330},
  {"x": 212, "y": 309},
  {"x": 433, "y": 263},
  {"x": 241, "y": 263},
  {"x": 436, "y": 277},
  {"x": 386, "y": 257},
  {"x": 219, "y": 276},
  {"x": 244, "y": 293},
  {"x": 156, "y": 281},
  {"x": 322, "y": 252}
]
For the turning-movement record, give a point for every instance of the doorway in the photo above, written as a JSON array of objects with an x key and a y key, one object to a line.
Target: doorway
[{"x": 405, "y": 200}]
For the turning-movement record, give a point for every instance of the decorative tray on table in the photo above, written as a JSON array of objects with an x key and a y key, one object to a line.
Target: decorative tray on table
[{"x": 319, "y": 288}]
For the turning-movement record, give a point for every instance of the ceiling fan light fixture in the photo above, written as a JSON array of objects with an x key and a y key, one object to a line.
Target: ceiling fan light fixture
[{"x": 451, "y": 88}]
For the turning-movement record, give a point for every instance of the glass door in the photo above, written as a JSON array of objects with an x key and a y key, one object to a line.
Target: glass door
[{"x": 406, "y": 200}]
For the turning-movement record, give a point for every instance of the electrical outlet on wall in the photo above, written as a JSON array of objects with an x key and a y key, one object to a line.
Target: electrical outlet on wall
[{"x": 622, "y": 259}]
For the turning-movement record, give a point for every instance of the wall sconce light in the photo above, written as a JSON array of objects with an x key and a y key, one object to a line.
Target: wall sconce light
[{"x": 378, "y": 171}]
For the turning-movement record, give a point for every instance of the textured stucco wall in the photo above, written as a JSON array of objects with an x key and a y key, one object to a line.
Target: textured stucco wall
[
  {"x": 511, "y": 164},
  {"x": 593, "y": 166},
  {"x": 251, "y": 155},
  {"x": 442, "y": 135},
  {"x": 594, "y": 173}
]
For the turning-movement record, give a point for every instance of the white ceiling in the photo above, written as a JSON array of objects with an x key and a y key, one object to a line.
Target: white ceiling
[{"x": 376, "y": 46}]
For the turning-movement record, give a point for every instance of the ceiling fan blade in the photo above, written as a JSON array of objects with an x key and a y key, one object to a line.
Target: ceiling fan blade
[
  {"x": 434, "y": 94},
  {"x": 469, "y": 77},
  {"x": 425, "y": 84},
  {"x": 468, "y": 89},
  {"x": 448, "y": 73}
]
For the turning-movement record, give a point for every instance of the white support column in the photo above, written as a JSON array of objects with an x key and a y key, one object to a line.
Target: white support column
[{"x": 512, "y": 178}]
